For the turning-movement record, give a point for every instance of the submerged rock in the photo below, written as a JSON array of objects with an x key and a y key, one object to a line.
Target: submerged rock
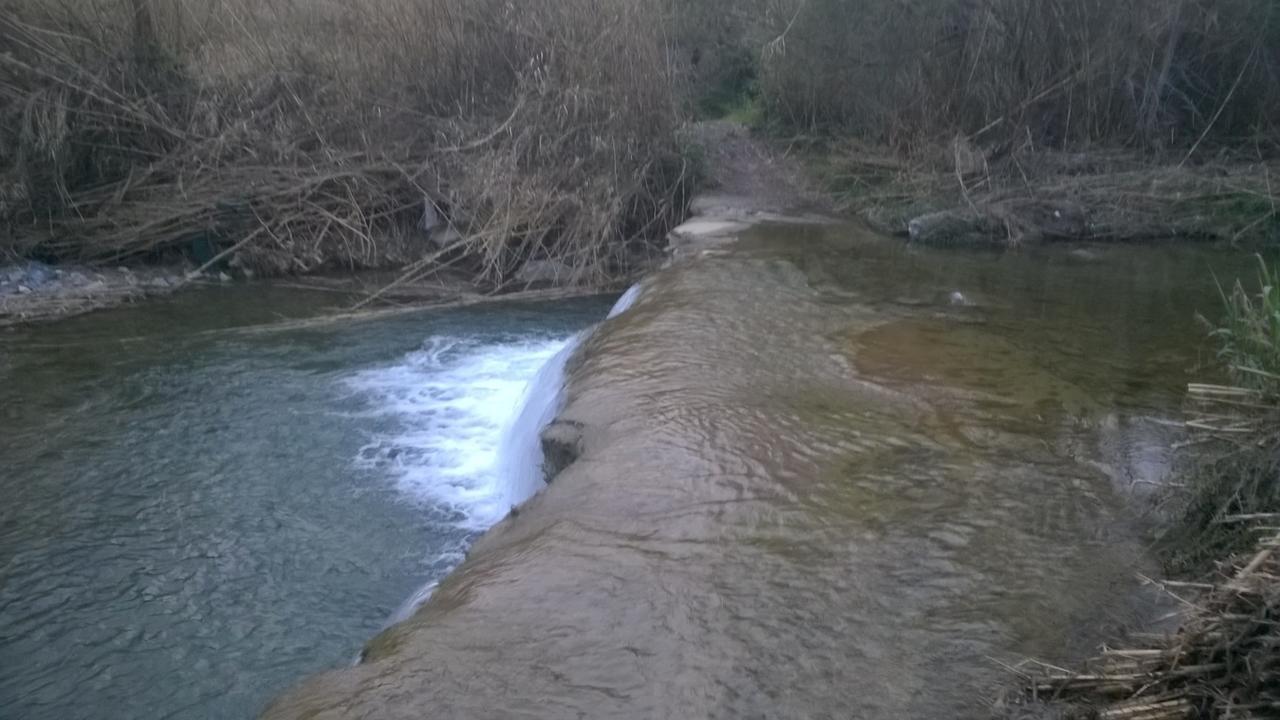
[
  {"x": 956, "y": 227},
  {"x": 561, "y": 446}
]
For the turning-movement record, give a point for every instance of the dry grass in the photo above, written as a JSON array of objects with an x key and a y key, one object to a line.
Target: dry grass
[
  {"x": 1060, "y": 73},
  {"x": 1121, "y": 194},
  {"x": 289, "y": 137},
  {"x": 1224, "y": 662},
  {"x": 1156, "y": 118}
]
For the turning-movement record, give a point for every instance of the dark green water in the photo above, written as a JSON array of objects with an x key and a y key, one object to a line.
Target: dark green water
[{"x": 192, "y": 516}]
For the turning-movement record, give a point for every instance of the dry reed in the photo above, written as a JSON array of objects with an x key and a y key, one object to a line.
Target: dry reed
[
  {"x": 1061, "y": 73},
  {"x": 1223, "y": 663},
  {"x": 287, "y": 137}
]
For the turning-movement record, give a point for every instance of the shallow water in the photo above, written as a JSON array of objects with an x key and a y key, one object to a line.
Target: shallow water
[
  {"x": 815, "y": 483},
  {"x": 822, "y": 474},
  {"x": 196, "y": 515}
]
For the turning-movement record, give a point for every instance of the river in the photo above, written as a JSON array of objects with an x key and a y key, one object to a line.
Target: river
[
  {"x": 196, "y": 513},
  {"x": 821, "y": 474}
]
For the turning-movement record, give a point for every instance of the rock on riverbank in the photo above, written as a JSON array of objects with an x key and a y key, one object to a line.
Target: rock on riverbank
[{"x": 35, "y": 291}]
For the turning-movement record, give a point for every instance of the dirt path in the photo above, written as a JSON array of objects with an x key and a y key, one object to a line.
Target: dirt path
[
  {"x": 746, "y": 173},
  {"x": 746, "y": 181}
]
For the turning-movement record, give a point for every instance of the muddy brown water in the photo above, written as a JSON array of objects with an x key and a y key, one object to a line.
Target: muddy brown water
[{"x": 815, "y": 482}]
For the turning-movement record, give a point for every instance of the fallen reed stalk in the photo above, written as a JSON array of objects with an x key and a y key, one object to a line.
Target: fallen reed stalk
[{"x": 1223, "y": 663}]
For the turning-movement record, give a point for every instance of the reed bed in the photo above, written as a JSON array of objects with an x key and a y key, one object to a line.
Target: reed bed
[
  {"x": 1119, "y": 193},
  {"x": 1235, "y": 426},
  {"x": 1223, "y": 663},
  {"x": 1156, "y": 118},
  {"x": 1156, "y": 74},
  {"x": 289, "y": 137}
]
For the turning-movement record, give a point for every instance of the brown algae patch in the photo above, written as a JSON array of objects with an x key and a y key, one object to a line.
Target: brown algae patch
[{"x": 969, "y": 359}]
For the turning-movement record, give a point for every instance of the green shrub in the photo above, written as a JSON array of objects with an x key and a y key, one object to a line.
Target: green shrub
[
  {"x": 1236, "y": 477},
  {"x": 1249, "y": 335}
]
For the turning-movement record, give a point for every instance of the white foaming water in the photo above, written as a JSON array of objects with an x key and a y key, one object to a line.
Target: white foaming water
[
  {"x": 626, "y": 301},
  {"x": 457, "y": 442},
  {"x": 471, "y": 421},
  {"x": 520, "y": 453},
  {"x": 470, "y": 417}
]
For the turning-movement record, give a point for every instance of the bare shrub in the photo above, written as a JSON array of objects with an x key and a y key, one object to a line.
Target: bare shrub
[
  {"x": 294, "y": 136},
  {"x": 1156, "y": 73}
]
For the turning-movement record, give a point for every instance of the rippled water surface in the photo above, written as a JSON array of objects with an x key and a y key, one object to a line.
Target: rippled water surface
[
  {"x": 820, "y": 475},
  {"x": 194, "y": 515}
]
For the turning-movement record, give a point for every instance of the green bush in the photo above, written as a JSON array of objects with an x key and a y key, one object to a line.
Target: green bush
[
  {"x": 1240, "y": 480},
  {"x": 1249, "y": 335}
]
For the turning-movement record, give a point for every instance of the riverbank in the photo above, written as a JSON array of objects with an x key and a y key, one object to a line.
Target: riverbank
[
  {"x": 962, "y": 194},
  {"x": 1220, "y": 663},
  {"x": 33, "y": 292},
  {"x": 742, "y": 178}
]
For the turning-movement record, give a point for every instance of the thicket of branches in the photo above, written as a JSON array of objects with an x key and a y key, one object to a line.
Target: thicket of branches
[
  {"x": 1155, "y": 73},
  {"x": 289, "y": 136}
]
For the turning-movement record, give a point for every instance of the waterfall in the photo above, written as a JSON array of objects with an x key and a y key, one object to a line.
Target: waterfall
[
  {"x": 626, "y": 301},
  {"x": 410, "y": 606},
  {"x": 450, "y": 409},
  {"x": 468, "y": 433},
  {"x": 520, "y": 458}
]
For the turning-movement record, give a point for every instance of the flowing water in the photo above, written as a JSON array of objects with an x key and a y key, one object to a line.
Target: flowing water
[
  {"x": 193, "y": 516},
  {"x": 821, "y": 474}
]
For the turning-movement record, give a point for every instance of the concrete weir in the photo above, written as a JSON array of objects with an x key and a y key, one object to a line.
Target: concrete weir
[{"x": 760, "y": 509}]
